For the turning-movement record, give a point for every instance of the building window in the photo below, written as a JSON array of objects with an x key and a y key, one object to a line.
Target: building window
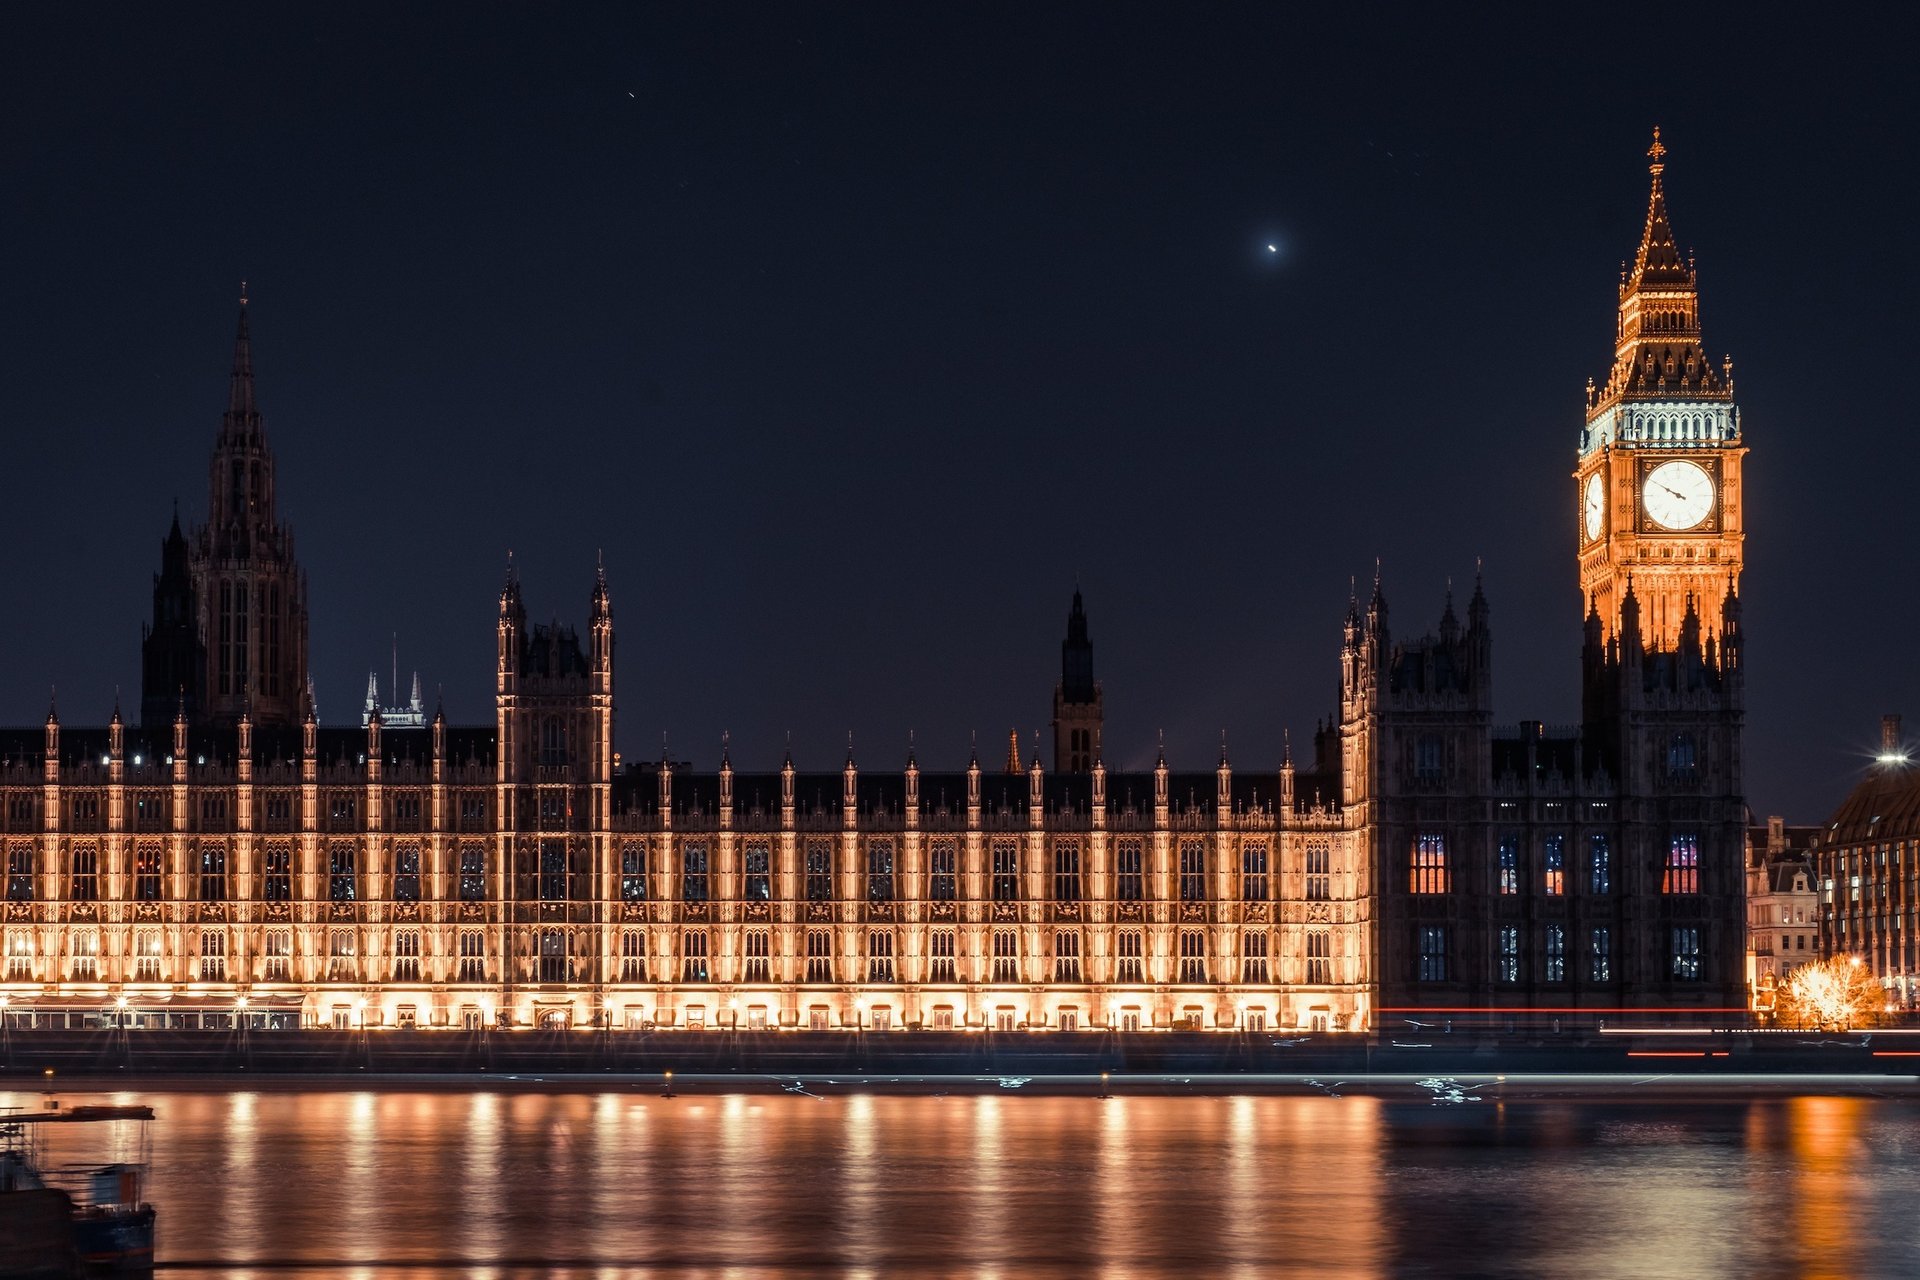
[
  {"x": 213, "y": 956},
  {"x": 1319, "y": 872},
  {"x": 278, "y": 966},
  {"x": 340, "y": 872},
  {"x": 1319, "y": 957},
  {"x": 1600, "y": 954},
  {"x": 83, "y": 878},
  {"x": 880, "y": 955},
  {"x": 86, "y": 955},
  {"x": 553, "y": 871},
  {"x": 19, "y": 955},
  {"x": 473, "y": 810},
  {"x": 819, "y": 871},
  {"x": 1686, "y": 953},
  {"x": 1508, "y": 965},
  {"x": 880, "y": 871},
  {"x": 20, "y": 873},
  {"x": 1253, "y": 956},
  {"x": 1006, "y": 956},
  {"x": 1509, "y": 864},
  {"x": 759, "y": 962},
  {"x": 1683, "y": 865},
  {"x": 759, "y": 871},
  {"x": 1599, "y": 864},
  {"x": 556, "y": 960},
  {"x": 633, "y": 871},
  {"x": 473, "y": 873},
  {"x": 1427, "y": 758},
  {"x": 340, "y": 952},
  {"x": 1430, "y": 864},
  {"x": 1066, "y": 955},
  {"x": 1066, "y": 871},
  {"x": 343, "y": 811},
  {"x": 1193, "y": 871},
  {"x": 940, "y": 965},
  {"x": 213, "y": 873},
  {"x": 693, "y": 876},
  {"x": 1129, "y": 961},
  {"x": 633, "y": 955},
  {"x": 1556, "y": 868},
  {"x": 406, "y": 956},
  {"x": 276, "y": 873},
  {"x": 942, "y": 880},
  {"x": 1253, "y": 872},
  {"x": 819, "y": 956},
  {"x": 1432, "y": 953},
  {"x": 473, "y": 956},
  {"x": 693, "y": 955},
  {"x": 213, "y": 813},
  {"x": 1006, "y": 870},
  {"x": 1128, "y": 881},
  {"x": 1193, "y": 956},
  {"x": 1556, "y": 953},
  {"x": 1681, "y": 757},
  {"x": 406, "y": 874}
]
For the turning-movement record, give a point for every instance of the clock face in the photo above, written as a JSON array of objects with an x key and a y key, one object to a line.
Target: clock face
[
  {"x": 1595, "y": 505},
  {"x": 1678, "y": 495}
]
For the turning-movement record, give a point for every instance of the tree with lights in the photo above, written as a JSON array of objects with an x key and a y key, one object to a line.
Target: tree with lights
[{"x": 1836, "y": 994}]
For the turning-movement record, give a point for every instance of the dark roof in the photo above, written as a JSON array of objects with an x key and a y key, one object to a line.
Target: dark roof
[{"x": 1885, "y": 806}]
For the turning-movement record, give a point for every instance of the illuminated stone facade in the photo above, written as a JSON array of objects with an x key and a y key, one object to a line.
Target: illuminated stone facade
[{"x": 520, "y": 873}]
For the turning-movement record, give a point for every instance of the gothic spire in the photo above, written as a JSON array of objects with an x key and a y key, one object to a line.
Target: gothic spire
[{"x": 243, "y": 417}]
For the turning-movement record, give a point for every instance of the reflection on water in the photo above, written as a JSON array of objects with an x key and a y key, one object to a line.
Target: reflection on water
[{"x": 502, "y": 1184}]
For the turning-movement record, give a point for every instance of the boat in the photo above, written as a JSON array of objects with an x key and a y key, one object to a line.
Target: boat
[{"x": 73, "y": 1219}]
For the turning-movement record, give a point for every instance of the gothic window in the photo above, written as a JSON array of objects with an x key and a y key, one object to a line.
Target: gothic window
[
  {"x": 1508, "y": 963},
  {"x": 278, "y": 966},
  {"x": 880, "y": 871},
  {"x": 276, "y": 873},
  {"x": 759, "y": 871},
  {"x": 553, "y": 871},
  {"x": 880, "y": 955},
  {"x": 940, "y": 964},
  {"x": 406, "y": 873},
  {"x": 213, "y": 956},
  {"x": 1319, "y": 872},
  {"x": 83, "y": 881},
  {"x": 1130, "y": 965},
  {"x": 1600, "y": 954},
  {"x": 340, "y": 953},
  {"x": 473, "y": 873},
  {"x": 1509, "y": 864},
  {"x": 1253, "y": 956},
  {"x": 1066, "y": 955},
  {"x": 1253, "y": 872},
  {"x": 633, "y": 871},
  {"x": 341, "y": 870},
  {"x": 1599, "y": 864},
  {"x": 406, "y": 956},
  {"x": 759, "y": 963},
  {"x": 819, "y": 871},
  {"x": 1006, "y": 956},
  {"x": 473, "y": 810},
  {"x": 146, "y": 955},
  {"x": 941, "y": 884},
  {"x": 85, "y": 955},
  {"x": 1683, "y": 865},
  {"x": 693, "y": 874},
  {"x": 1066, "y": 871},
  {"x": 1556, "y": 953},
  {"x": 1427, "y": 758},
  {"x": 553, "y": 808},
  {"x": 213, "y": 813},
  {"x": 1555, "y": 855},
  {"x": 693, "y": 956},
  {"x": 556, "y": 964},
  {"x": 633, "y": 955},
  {"x": 406, "y": 811},
  {"x": 819, "y": 956},
  {"x": 1193, "y": 956},
  {"x": 473, "y": 956},
  {"x": 343, "y": 810},
  {"x": 1319, "y": 957},
  {"x": 1193, "y": 871},
  {"x": 1430, "y": 863},
  {"x": 1432, "y": 953},
  {"x": 213, "y": 873},
  {"x": 20, "y": 873},
  {"x": 1128, "y": 883},
  {"x": 1006, "y": 870},
  {"x": 1681, "y": 756},
  {"x": 19, "y": 943},
  {"x": 1686, "y": 953}
]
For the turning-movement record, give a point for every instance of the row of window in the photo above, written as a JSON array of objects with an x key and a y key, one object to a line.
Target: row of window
[
  {"x": 1432, "y": 960},
  {"x": 1431, "y": 872}
]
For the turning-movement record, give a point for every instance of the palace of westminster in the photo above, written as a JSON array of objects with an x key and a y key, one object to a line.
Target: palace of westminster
[{"x": 231, "y": 854}]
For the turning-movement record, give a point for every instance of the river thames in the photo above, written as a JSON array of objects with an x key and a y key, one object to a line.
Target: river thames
[{"x": 402, "y": 1180}]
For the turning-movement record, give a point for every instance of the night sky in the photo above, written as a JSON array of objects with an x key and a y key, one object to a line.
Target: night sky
[{"x": 855, "y": 336}]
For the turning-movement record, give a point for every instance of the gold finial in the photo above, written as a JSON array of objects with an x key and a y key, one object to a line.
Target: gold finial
[
  {"x": 243, "y": 293},
  {"x": 1658, "y": 151}
]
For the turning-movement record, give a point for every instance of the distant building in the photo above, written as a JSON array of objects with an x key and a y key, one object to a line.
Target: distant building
[
  {"x": 1783, "y": 923},
  {"x": 1868, "y": 861},
  {"x": 233, "y": 853}
]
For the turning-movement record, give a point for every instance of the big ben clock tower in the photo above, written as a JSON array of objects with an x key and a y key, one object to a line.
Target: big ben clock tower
[{"x": 1658, "y": 481}]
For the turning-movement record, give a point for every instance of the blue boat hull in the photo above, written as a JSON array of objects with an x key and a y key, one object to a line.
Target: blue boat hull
[{"x": 115, "y": 1243}]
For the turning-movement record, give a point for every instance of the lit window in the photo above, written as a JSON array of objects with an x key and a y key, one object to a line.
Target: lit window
[
  {"x": 406, "y": 956},
  {"x": 1006, "y": 870},
  {"x": 1686, "y": 953},
  {"x": 1193, "y": 956},
  {"x": 1556, "y": 865},
  {"x": 1319, "y": 867},
  {"x": 880, "y": 871},
  {"x": 819, "y": 956},
  {"x": 1193, "y": 871},
  {"x": 1599, "y": 864},
  {"x": 1683, "y": 865},
  {"x": 1509, "y": 960},
  {"x": 880, "y": 955},
  {"x": 633, "y": 871},
  {"x": 1509, "y": 864},
  {"x": 819, "y": 871},
  {"x": 1556, "y": 953},
  {"x": 1066, "y": 871},
  {"x": 759, "y": 872},
  {"x": 942, "y": 881},
  {"x": 1319, "y": 956},
  {"x": 1128, "y": 880},
  {"x": 940, "y": 966},
  {"x": 1130, "y": 965},
  {"x": 1006, "y": 956},
  {"x": 1253, "y": 872},
  {"x": 1066, "y": 955},
  {"x": 693, "y": 880},
  {"x": 1430, "y": 863},
  {"x": 693, "y": 956},
  {"x": 1432, "y": 952},
  {"x": 757, "y": 955},
  {"x": 1253, "y": 956},
  {"x": 1600, "y": 955}
]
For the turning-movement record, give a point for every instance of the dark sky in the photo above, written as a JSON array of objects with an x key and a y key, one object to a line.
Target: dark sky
[{"x": 854, "y": 335}]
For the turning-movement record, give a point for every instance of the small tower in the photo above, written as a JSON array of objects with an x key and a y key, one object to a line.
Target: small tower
[
  {"x": 1077, "y": 707},
  {"x": 172, "y": 656}
]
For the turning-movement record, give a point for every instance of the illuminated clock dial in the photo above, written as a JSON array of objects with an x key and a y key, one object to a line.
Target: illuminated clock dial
[
  {"x": 1595, "y": 505},
  {"x": 1678, "y": 495}
]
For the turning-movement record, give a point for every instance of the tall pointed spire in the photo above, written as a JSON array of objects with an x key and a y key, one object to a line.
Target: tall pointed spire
[{"x": 242, "y": 414}]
